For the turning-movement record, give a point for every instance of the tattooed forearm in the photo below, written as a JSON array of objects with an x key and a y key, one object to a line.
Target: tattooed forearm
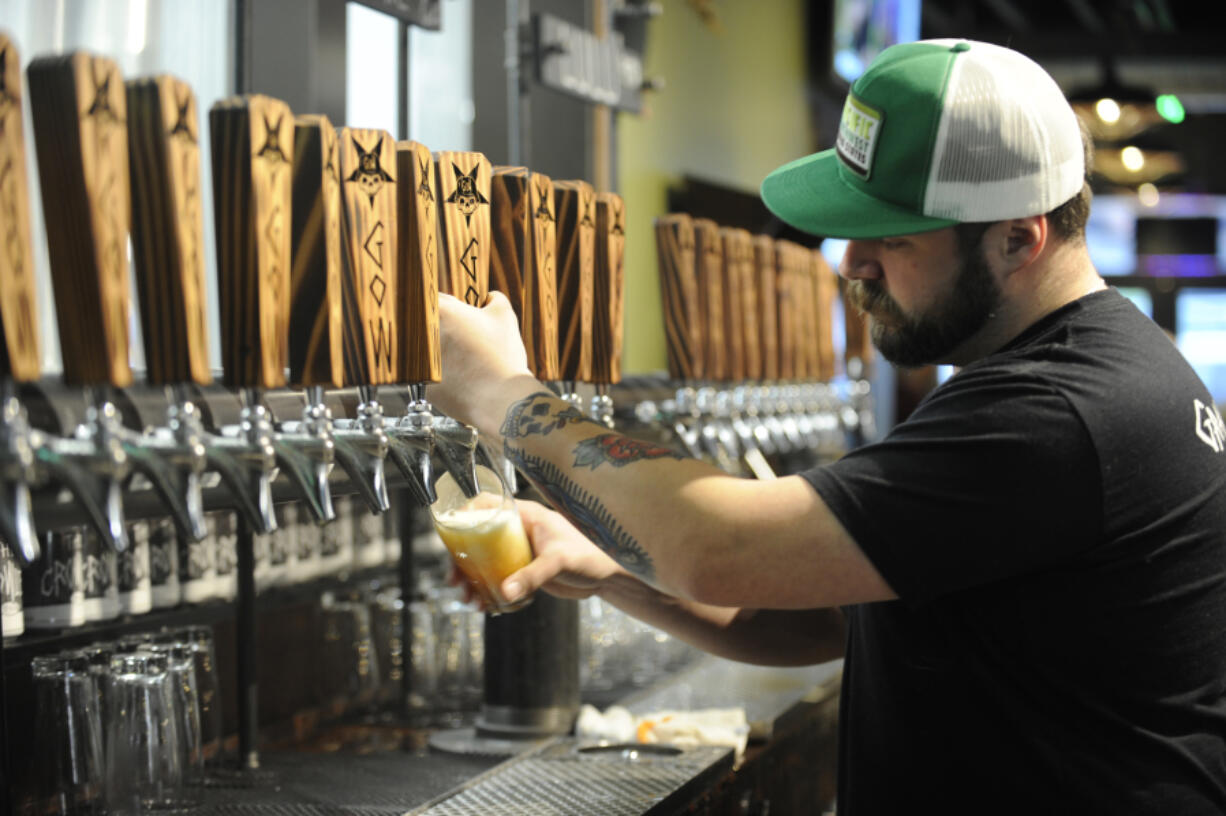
[
  {"x": 540, "y": 414},
  {"x": 618, "y": 451},
  {"x": 584, "y": 511}
]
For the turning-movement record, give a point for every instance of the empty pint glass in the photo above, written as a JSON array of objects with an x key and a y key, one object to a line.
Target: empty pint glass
[{"x": 484, "y": 535}]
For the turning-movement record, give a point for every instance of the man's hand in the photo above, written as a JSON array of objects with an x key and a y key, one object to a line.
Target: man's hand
[
  {"x": 482, "y": 351},
  {"x": 566, "y": 564}
]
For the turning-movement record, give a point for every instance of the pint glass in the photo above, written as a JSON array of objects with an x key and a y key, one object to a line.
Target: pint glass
[{"x": 484, "y": 535}]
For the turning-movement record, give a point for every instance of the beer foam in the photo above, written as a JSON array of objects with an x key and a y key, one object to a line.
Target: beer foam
[{"x": 469, "y": 516}]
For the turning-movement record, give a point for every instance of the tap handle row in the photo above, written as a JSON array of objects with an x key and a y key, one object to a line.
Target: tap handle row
[
  {"x": 20, "y": 357},
  {"x": 523, "y": 264}
]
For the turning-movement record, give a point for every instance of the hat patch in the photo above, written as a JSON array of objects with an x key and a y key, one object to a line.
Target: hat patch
[{"x": 857, "y": 140}]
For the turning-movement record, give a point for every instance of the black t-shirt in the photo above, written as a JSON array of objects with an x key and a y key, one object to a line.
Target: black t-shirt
[{"x": 1053, "y": 519}]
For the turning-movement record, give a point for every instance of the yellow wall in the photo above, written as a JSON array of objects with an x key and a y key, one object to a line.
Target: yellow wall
[{"x": 733, "y": 109}]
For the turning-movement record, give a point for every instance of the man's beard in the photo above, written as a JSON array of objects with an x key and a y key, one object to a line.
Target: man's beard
[{"x": 915, "y": 340}]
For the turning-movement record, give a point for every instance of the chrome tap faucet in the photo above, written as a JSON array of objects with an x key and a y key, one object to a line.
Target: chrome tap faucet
[
  {"x": 411, "y": 443},
  {"x": 17, "y": 472},
  {"x": 362, "y": 445}
]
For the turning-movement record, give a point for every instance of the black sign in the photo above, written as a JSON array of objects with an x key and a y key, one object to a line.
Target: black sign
[
  {"x": 422, "y": 13},
  {"x": 595, "y": 69}
]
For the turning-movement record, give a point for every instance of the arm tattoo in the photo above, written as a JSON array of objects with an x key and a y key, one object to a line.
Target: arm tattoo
[
  {"x": 584, "y": 511},
  {"x": 538, "y": 415},
  {"x": 618, "y": 451}
]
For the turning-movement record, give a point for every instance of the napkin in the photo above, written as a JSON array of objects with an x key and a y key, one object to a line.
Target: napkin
[{"x": 684, "y": 729}]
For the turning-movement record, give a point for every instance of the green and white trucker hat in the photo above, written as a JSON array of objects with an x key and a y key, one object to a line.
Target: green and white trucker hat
[{"x": 935, "y": 133}]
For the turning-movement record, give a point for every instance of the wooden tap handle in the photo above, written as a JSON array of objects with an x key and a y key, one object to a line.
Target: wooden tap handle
[
  {"x": 814, "y": 324},
  {"x": 369, "y": 254},
  {"x": 316, "y": 348},
  {"x": 168, "y": 229},
  {"x": 709, "y": 269},
  {"x": 768, "y": 308},
  {"x": 522, "y": 265},
  {"x": 825, "y": 288},
  {"x": 420, "y": 350},
  {"x": 679, "y": 296},
  {"x": 736, "y": 249},
  {"x": 784, "y": 293},
  {"x": 20, "y": 357},
  {"x": 609, "y": 289},
  {"x": 576, "y": 208},
  {"x": 253, "y": 146},
  {"x": 464, "y": 202},
  {"x": 806, "y": 338},
  {"x": 859, "y": 344},
  {"x": 79, "y": 110},
  {"x": 748, "y": 316}
]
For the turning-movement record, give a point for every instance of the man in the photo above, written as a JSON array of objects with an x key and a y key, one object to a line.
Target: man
[{"x": 1032, "y": 566}]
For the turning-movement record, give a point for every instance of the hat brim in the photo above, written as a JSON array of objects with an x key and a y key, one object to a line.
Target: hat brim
[{"x": 813, "y": 194}]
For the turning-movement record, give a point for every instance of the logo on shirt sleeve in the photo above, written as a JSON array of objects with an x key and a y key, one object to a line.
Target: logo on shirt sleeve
[{"x": 1209, "y": 426}]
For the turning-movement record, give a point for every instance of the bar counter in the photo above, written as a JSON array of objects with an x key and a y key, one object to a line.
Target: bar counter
[{"x": 788, "y": 766}]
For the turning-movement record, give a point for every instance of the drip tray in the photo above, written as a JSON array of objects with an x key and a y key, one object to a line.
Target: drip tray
[{"x": 565, "y": 777}]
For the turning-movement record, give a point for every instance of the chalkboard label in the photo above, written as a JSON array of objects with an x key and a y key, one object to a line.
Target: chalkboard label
[
  {"x": 198, "y": 566},
  {"x": 164, "y": 563},
  {"x": 12, "y": 622},
  {"x": 100, "y": 578},
  {"x": 53, "y": 588},
  {"x": 135, "y": 589}
]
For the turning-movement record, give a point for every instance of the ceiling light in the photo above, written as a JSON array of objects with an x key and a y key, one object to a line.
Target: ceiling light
[
  {"x": 1108, "y": 110},
  {"x": 1114, "y": 112},
  {"x": 1148, "y": 195},
  {"x": 1131, "y": 166},
  {"x": 1170, "y": 108}
]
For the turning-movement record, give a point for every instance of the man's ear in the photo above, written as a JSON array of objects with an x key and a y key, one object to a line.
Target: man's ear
[{"x": 1023, "y": 240}]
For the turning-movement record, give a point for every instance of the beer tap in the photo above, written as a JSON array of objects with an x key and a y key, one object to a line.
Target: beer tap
[
  {"x": 523, "y": 265},
  {"x": 252, "y": 144},
  {"x": 342, "y": 330},
  {"x": 463, "y": 183},
  {"x": 718, "y": 439},
  {"x": 20, "y": 357},
  {"x": 80, "y": 114},
  {"x": 766, "y": 429},
  {"x": 824, "y": 290},
  {"x": 682, "y": 325},
  {"x": 575, "y": 203},
  {"x": 806, "y": 349},
  {"x": 168, "y": 249},
  {"x": 608, "y": 302},
  {"x": 786, "y": 299},
  {"x": 412, "y": 436},
  {"x": 858, "y": 416},
  {"x": 745, "y": 364}
]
